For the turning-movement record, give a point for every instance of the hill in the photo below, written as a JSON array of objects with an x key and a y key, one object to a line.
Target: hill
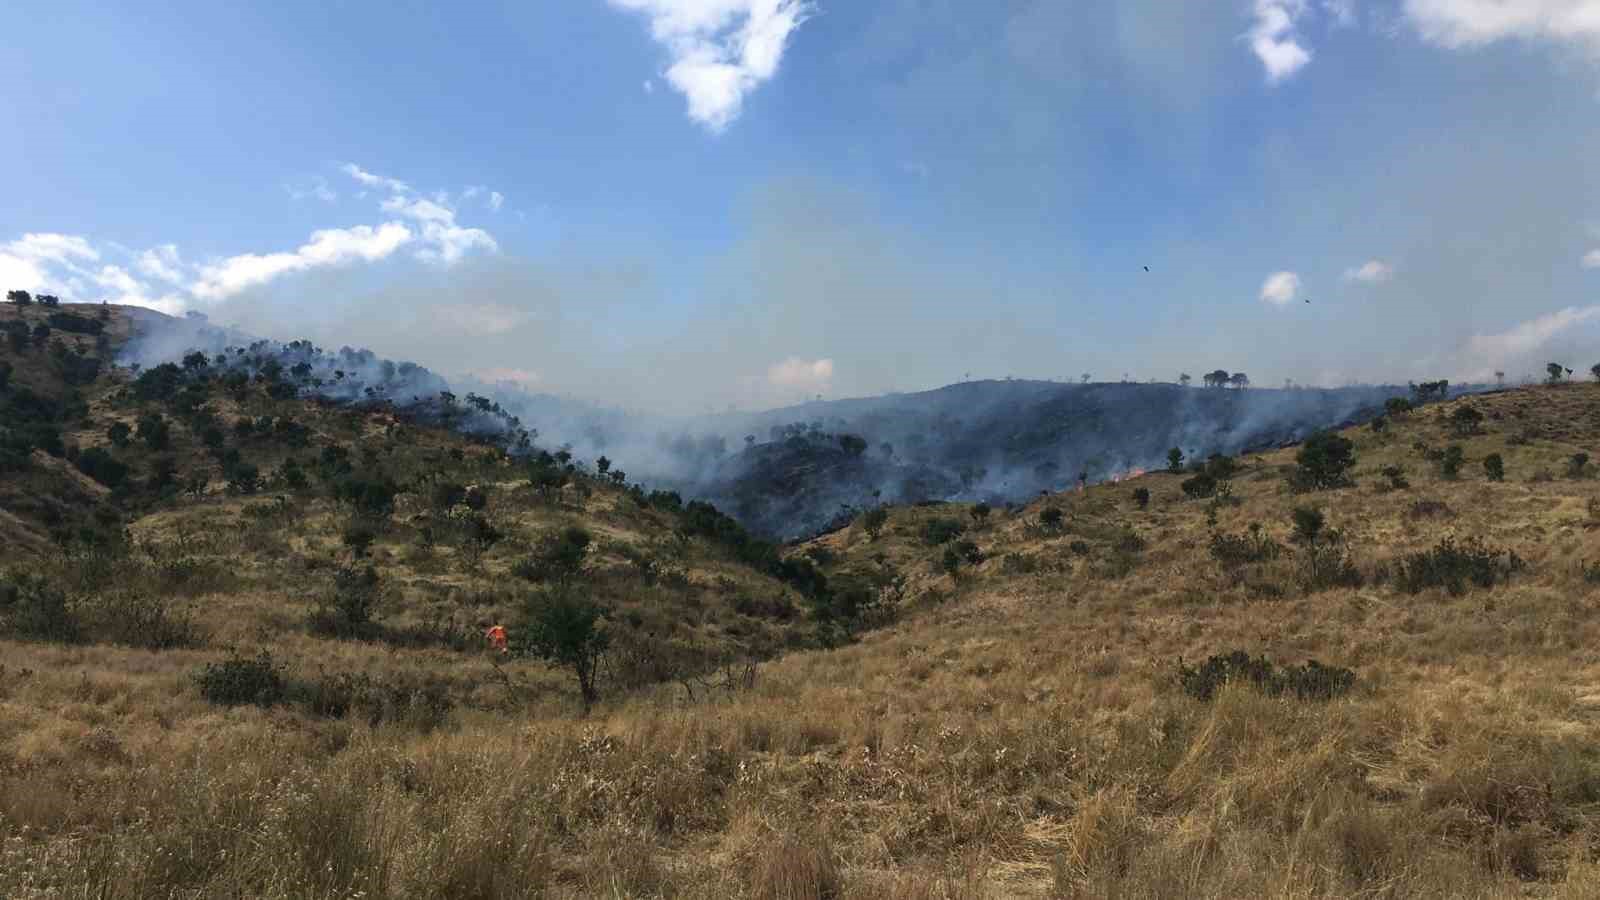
[{"x": 1100, "y": 693}]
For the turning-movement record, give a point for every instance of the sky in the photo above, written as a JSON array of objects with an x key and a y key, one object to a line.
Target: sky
[{"x": 686, "y": 205}]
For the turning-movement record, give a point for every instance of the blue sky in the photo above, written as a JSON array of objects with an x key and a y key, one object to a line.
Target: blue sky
[{"x": 689, "y": 203}]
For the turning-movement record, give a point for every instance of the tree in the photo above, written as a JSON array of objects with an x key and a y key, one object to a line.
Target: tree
[
  {"x": 1217, "y": 378},
  {"x": 1465, "y": 420},
  {"x": 1050, "y": 518},
  {"x": 20, "y": 298},
  {"x": 1141, "y": 496},
  {"x": 980, "y": 513},
  {"x": 1324, "y": 462},
  {"x": 873, "y": 521},
  {"x": 1494, "y": 467},
  {"x": 853, "y": 445},
  {"x": 1500, "y": 379},
  {"x": 1239, "y": 380},
  {"x": 569, "y": 631},
  {"x": 48, "y": 300},
  {"x": 1450, "y": 463},
  {"x": 1555, "y": 371},
  {"x": 1085, "y": 377},
  {"x": 5, "y": 373},
  {"x": 1174, "y": 460},
  {"x": 1184, "y": 379},
  {"x": 154, "y": 431},
  {"x": 1397, "y": 406},
  {"x": 1595, "y": 371},
  {"x": 118, "y": 433},
  {"x": 602, "y": 465}
]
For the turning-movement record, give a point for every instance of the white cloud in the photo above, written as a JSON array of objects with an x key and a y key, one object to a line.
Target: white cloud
[
  {"x": 1371, "y": 272},
  {"x": 1495, "y": 351},
  {"x": 1342, "y": 12},
  {"x": 329, "y": 247},
  {"x": 419, "y": 209},
  {"x": 1470, "y": 23},
  {"x": 317, "y": 188},
  {"x": 442, "y": 240},
  {"x": 721, "y": 50},
  {"x": 496, "y": 200},
  {"x": 46, "y": 247},
  {"x": 1273, "y": 39},
  {"x": 377, "y": 181},
  {"x": 1591, "y": 260},
  {"x": 795, "y": 374},
  {"x": 162, "y": 262},
  {"x": 1280, "y": 288}
]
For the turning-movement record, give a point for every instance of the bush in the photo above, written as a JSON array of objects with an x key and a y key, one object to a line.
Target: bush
[
  {"x": 238, "y": 681},
  {"x": 147, "y": 621},
  {"x": 1141, "y": 497},
  {"x": 100, "y": 465},
  {"x": 1397, "y": 406},
  {"x": 358, "y": 537},
  {"x": 1254, "y": 546},
  {"x": 1453, "y": 567},
  {"x": 419, "y": 701},
  {"x": 1450, "y": 463},
  {"x": 873, "y": 521},
  {"x": 1577, "y": 465},
  {"x": 244, "y": 478},
  {"x": 352, "y": 606},
  {"x": 980, "y": 513},
  {"x": 1465, "y": 420},
  {"x": 1200, "y": 486},
  {"x": 31, "y": 609},
  {"x": 1396, "y": 476},
  {"x": 1312, "y": 681},
  {"x": 1050, "y": 518},
  {"x": 1323, "y": 463},
  {"x": 1494, "y": 467},
  {"x": 969, "y": 552},
  {"x": 941, "y": 530},
  {"x": 154, "y": 431},
  {"x": 1327, "y": 564},
  {"x": 119, "y": 434},
  {"x": 558, "y": 557}
]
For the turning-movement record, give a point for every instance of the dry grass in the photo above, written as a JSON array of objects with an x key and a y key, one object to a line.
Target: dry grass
[{"x": 1016, "y": 734}]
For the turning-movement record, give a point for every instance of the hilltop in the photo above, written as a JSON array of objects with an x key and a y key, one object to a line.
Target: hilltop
[{"x": 1098, "y": 693}]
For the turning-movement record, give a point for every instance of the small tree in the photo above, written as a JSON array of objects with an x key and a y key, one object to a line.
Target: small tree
[
  {"x": 1595, "y": 371},
  {"x": 1578, "y": 465},
  {"x": 119, "y": 434},
  {"x": 1554, "y": 372},
  {"x": 852, "y": 445},
  {"x": 154, "y": 431},
  {"x": 1050, "y": 518},
  {"x": 1174, "y": 460},
  {"x": 1397, "y": 406},
  {"x": 1184, "y": 379},
  {"x": 1494, "y": 467},
  {"x": 1465, "y": 420},
  {"x": 980, "y": 513},
  {"x": 20, "y": 298},
  {"x": 358, "y": 537},
  {"x": 1239, "y": 380},
  {"x": 602, "y": 465},
  {"x": 1323, "y": 463},
  {"x": 570, "y": 632},
  {"x": 1141, "y": 496},
  {"x": 873, "y": 521},
  {"x": 1450, "y": 463},
  {"x": 1396, "y": 476}
]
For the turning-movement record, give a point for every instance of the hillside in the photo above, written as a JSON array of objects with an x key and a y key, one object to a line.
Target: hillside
[{"x": 945, "y": 703}]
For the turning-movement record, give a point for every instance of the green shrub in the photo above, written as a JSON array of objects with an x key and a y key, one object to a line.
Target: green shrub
[
  {"x": 1577, "y": 465},
  {"x": 420, "y": 701},
  {"x": 1450, "y": 463},
  {"x": 147, "y": 621},
  {"x": 239, "y": 681},
  {"x": 1141, "y": 497},
  {"x": 32, "y": 609},
  {"x": 980, "y": 512},
  {"x": 1494, "y": 467},
  {"x": 559, "y": 557},
  {"x": 1235, "y": 550},
  {"x": 350, "y": 609},
  {"x": 1200, "y": 486},
  {"x": 873, "y": 521},
  {"x": 1312, "y": 681},
  {"x": 1323, "y": 554},
  {"x": 1050, "y": 518},
  {"x": 1323, "y": 463},
  {"x": 358, "y": 537},
  {"x": 1454, "y": 566},
  {"x": 941, "y": 530},
  {"x": 1465, "y": 420},
  {"x": 569, "y": 630},
  {"x": 1396, "y": 476}
]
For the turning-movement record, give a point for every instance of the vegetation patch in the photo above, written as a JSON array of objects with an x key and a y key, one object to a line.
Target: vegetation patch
[
  {"x": 1312, "y": 681},
  {"x": 1454, "y": 567}
]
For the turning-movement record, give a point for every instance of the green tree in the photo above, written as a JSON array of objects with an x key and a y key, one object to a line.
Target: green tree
[
  {"x": 1450, "y": 463},
  {"x": 1239, "y": 380},
  {"x": 569, "y": 631},
  {"x": 1465, "y": 420},
  {"x": 119, "y": 434},
  {"x": 602, "y": 465},
  {"x": 1174, "y": 460},
  {"x": 154, "y": 431},
  {"x": 1494, "y": 467},
  {"x": 1397, "y": 406},
  {"x": 1554, "y": 371},
  {"x": 980, "y": 513},
  {"x": 873, "y": 521},
  {"x": 1323, "y": 463},
  {"x": 853, "y": 445},
  {"x": 20, "y": 298},
  {"x": 1141, "y": 496},
  {"x": 1184, "y": 379}
]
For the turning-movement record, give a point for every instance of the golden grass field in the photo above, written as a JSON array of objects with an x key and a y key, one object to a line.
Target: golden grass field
[{"x": 1017, "y": 731}]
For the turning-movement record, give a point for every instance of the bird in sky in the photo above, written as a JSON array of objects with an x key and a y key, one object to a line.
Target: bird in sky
[{"x": 1147, "y": 268}]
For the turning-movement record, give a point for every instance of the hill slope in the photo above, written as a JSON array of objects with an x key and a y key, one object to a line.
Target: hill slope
[{"x": 1005, "y": 719}]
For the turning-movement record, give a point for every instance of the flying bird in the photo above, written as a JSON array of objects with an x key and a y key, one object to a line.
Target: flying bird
[
  {"x": 1147, "y": 268},
  {"x": 1308, "y": 301}
]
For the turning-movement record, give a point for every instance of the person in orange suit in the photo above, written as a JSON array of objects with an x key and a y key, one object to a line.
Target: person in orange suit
[{"x": 497, "y": 637}]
